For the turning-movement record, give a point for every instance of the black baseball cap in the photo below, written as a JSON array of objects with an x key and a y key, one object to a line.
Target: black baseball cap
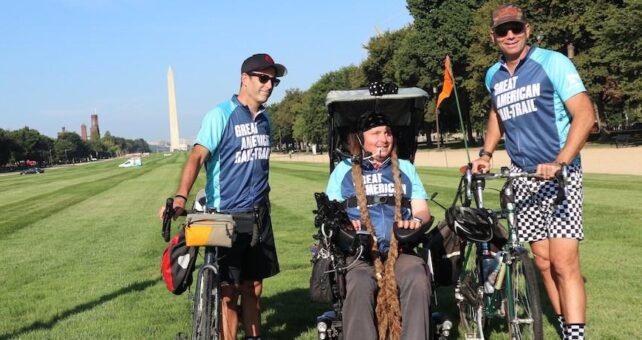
[
  {"x": 261, "y": 61},
  {"x": 371, "y": 120}
]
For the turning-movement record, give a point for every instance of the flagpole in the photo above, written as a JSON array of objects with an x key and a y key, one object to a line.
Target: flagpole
[{"x": 461, "y": 119}]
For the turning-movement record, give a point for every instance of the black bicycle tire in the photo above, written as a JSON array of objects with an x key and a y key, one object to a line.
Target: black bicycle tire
[
  {"x": 206, "y": 308},
  {"x": 471, "y": 306},
  {"x": 525, "y": 289}
]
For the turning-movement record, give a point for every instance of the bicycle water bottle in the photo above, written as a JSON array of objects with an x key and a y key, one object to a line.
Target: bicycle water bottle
[
  {"x": 489, "y": 285},
  {"x": 488, "y": 261}
]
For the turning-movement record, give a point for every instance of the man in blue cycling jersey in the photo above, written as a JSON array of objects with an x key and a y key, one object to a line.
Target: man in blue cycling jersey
[
  {"x": 540, "y": 106},
  {"x": 387, "y": 292},
  {"x": 234, "y": 145}
]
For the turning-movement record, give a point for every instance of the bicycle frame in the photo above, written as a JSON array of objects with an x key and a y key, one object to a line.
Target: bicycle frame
[
  {"x": 204, "y": 298},
  {"x": 498, "y": 299},
  {"x": 210, "y": 264}
]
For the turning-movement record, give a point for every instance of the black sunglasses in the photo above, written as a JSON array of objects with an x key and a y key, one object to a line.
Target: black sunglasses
[
  {"x": 263, "y": 78},
  {"x": 515, "y": 27}
]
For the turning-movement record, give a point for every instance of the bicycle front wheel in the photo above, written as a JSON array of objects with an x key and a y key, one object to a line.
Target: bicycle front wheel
[
  {"x": 523, "y": 307},
  {"x": 469, "y": 296},
  {"x": 206, "y": 313}
]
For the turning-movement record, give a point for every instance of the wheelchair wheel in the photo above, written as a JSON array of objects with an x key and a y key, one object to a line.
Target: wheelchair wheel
[{"x": 207, "y": 310}]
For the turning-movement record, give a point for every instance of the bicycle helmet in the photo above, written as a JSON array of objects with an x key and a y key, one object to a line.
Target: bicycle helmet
[{"x": 471, "y": 223}]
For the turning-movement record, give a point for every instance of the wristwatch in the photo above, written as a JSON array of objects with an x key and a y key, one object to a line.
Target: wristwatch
[{"x": 483, "y": 152}]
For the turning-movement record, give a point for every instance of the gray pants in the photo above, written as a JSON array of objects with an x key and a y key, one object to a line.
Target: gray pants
[{"x": 414, "y": 295}]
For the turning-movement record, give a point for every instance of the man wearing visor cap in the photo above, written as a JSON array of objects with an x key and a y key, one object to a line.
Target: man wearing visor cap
[{"x": 541, "y": 108}]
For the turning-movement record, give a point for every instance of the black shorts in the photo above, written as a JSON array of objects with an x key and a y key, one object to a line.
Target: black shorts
[{"x": 243, "y": 262}]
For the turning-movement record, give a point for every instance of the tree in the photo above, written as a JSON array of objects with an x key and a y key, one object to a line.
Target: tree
[
  {"x": 70, "y": 147},
  {"x": 110, "y": 144},
  {"x": 311, "y": 125},
  {"x": 284, "y": 114},
  {"x": 7, "y": 146},
  {"x": 30, "y": 144},
  {"x": 384, "y": 52},
  {"x": 443, "y": 28}
]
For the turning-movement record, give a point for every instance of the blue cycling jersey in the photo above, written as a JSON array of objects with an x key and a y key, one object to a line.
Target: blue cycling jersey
[
  {"x": 377, "y": 182},
  {"x": 237, "y": 167},
  {"x": 530, "y": 104}
]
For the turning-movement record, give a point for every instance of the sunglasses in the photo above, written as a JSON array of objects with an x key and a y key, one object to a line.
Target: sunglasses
[
  {"x": 264, "y": 78},
  {"x": 515, "y": 27}
]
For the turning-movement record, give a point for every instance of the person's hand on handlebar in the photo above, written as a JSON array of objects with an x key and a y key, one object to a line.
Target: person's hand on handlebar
[
  {"x": 481, "y": 165},
  {"x": 179, "y": 207},
  {"x": 548, "y": 170}
]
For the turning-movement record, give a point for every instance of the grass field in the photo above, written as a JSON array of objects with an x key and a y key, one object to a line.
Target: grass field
[{"x": 80, "y": 252}]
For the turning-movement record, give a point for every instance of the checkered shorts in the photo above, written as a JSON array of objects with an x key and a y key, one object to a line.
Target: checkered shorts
[{"x": 538, "y": 218}]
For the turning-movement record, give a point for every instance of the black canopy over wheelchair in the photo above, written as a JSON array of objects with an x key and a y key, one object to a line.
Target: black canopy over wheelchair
[{"x": 404, "y": 109}]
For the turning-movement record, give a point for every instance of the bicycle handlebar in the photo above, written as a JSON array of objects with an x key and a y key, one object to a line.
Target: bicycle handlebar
[
  {"x": 167, "y": 218},
  {"x": 561, "y": 175},
  {"x": 168, "y": 214}
]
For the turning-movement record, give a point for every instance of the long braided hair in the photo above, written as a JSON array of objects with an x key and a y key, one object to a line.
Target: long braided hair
[{"x": 388, "y": 310}]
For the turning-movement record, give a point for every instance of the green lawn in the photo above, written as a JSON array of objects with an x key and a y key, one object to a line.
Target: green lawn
[{"x": 81, "y": 246}]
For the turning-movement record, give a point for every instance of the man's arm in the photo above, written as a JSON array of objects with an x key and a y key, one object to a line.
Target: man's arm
[
  {"x": 197, "y": 157},
  {"x": 494, "y": 133},
  {"x": 193, "y": 165},
  {"x": 581, "y": 109}
]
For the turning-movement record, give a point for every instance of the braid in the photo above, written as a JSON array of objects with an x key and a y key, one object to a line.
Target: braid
[
  {"x": 390, "y": 301},
  {"x": 357, "y": 177},
  {"x": 388, "y": 310}
]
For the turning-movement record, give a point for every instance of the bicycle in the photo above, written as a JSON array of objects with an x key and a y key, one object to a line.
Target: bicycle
[
  {"x": 206, "y": 308},
  {"x": 219, "y": 231},
  {"x": 504, "y": 285}
]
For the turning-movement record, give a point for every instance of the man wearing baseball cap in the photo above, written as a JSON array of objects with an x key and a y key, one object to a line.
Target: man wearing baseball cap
[
  {"x": 234, "y": 145},
  {"x": 540, "y": 106}
]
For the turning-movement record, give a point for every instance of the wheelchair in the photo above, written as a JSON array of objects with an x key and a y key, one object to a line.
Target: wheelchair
[{"x": 336, "y": 242}]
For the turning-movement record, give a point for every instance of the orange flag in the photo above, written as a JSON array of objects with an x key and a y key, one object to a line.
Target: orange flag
[{"x": 448, "y": 83}]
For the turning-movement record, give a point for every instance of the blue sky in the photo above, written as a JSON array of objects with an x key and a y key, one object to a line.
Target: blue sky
[{"x": 62, "y": 59}]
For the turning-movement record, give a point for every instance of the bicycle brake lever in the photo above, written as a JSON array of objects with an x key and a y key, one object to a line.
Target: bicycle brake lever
[
  {"x": 167, "y": 218},
  {"x": 563, "y": 180}
]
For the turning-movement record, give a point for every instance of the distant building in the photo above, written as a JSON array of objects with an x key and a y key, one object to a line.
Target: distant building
[
  {"x": 95, "y": 130},
  {"x": 83, "y": 132},
  {"x": 159, "y": 146}
]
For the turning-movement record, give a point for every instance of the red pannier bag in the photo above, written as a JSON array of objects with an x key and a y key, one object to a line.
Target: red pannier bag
[{"x": 177, "y": 264}]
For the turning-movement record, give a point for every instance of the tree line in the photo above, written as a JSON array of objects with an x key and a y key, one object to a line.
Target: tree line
[
  {"x": 603, "y": 38},
  {"x": 23, "y": 146}
]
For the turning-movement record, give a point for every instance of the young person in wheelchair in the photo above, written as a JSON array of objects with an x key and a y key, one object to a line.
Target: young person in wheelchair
[{"x": 388, "y": 291}]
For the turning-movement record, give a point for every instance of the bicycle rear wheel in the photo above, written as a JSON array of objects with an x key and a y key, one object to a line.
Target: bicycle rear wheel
[
  {"x": 469, "y": 295},
  {"x": 207, "y": 309},
  {"x": 523, "y": 307}
]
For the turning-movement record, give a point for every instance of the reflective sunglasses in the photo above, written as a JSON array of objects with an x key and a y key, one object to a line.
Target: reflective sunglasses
[
  {"x": 515, "y": 27},
  {"x": 263, "y": 78}
]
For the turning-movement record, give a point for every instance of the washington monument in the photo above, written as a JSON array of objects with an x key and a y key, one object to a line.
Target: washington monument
[{"x": 173, "y": 117}]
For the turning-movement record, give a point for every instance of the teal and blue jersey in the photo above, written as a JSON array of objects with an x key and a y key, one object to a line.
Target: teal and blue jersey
[
  {"x": 530, "y": 104},
  {"x": 237, "y": 167},
  {"x": 377, "y": 182}
]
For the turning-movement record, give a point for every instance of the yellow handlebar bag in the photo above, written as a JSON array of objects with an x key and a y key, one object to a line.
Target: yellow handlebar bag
[{"x": 209, "y": 230}]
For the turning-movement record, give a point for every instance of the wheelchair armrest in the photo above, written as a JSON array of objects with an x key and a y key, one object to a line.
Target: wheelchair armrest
[
  {"x": 348, "y": 242},
  {"x": 412, "y": 237}
]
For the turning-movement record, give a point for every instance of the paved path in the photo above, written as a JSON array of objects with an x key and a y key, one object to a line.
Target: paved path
[{"x": 607, "y": 160}]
